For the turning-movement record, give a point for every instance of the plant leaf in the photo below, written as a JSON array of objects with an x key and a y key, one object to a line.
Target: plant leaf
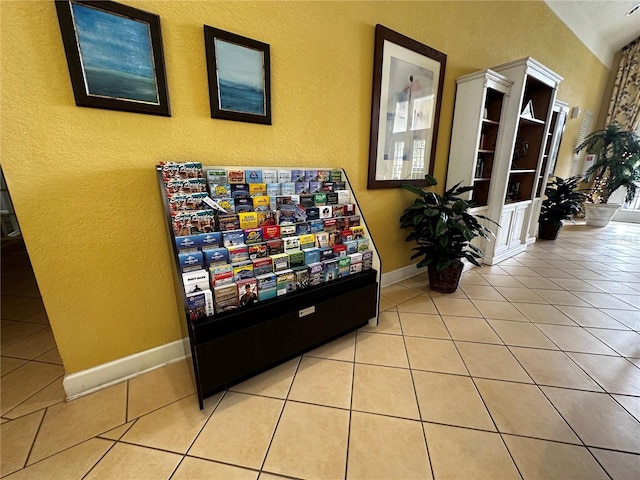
[
  {"x": 431, "y": 181},
  {"x": 441, "y": 227}
]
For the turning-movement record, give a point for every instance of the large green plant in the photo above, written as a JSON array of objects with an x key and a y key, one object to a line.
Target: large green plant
[
  {"x": 563, "y": 199},
  {"x": 442, "y": 227},
  {"x": 617, "y": 163}
]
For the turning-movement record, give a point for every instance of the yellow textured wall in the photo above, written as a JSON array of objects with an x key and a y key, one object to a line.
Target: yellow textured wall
[{"x": 82, "y": 179}]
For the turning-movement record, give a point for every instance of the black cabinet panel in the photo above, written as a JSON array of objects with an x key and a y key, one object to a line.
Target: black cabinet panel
[
  {"x": 228, "y": 359},
  {"x": 252, "y": 315}
]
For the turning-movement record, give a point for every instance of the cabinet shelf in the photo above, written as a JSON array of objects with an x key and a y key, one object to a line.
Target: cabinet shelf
[
  {"x": 518, "y": 201},
  {"x": 532, "y": 121},
  {"x": 481, "y": 99},
  {"x": 516, "y": 171}
]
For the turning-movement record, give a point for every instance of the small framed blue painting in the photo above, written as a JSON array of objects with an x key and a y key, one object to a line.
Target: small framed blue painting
[
  {"x": 239, "y": 77},
  {"x": 115, "y": 56}
]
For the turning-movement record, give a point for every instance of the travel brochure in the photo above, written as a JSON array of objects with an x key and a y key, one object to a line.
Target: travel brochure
[{"x": 272, "y": 232}]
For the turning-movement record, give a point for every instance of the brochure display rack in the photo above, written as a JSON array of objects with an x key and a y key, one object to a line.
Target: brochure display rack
[{"x": 270, "y": 262}]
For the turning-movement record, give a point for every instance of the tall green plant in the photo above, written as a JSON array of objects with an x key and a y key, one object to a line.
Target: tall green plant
[
  {"x": 563, "y": 199},
  {"x": 442, "y": 227},
  {"x": 617, "y": 163}
]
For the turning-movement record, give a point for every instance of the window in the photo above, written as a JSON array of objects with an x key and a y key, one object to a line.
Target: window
[
  {"x": 398, "y": 157},
  {"x": 417, "y": 160},
  {"x": 635, "y": 203}
]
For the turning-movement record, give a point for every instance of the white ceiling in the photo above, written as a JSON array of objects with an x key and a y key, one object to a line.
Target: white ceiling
[{"x": 602, "y": 25}]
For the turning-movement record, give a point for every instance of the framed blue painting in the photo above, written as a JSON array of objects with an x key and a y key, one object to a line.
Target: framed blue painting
[
  {"x": 239, "y": 77},
  {"x": 115, "y": 56}
]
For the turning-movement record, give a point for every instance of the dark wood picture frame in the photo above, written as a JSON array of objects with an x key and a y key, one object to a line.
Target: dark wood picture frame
[
  {"x": 104, "y": 75},
  {"x": 239, "y": 73},
  {"x": 408, "y": 79}
]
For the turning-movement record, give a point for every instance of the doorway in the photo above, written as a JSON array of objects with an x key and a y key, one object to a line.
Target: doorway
[{"x": 30, "y": 365}]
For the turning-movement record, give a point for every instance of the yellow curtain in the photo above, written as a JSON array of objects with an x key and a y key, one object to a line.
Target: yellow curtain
[{"x": 624, "y": 108}]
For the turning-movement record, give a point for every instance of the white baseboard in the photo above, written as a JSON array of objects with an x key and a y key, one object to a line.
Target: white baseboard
[
  {"x": 400, "y": 274},
  {"x": 103, "y": 376},
  {"x": 627, "y": 216},
  {"x": 506, "y": 254}
]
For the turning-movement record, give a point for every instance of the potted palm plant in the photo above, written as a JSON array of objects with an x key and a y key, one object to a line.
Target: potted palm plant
[
  {"x": 563, "y": 199},
  {"x": 443, "y": 229},
  {"x": 617, "y": 164}
]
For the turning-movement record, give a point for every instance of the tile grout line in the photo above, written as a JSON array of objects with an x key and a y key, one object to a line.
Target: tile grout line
[
  {"x": 601, "y": 341},
  {"x": 126, "y": 402},
  {"x": 622, "y": 406},
  {"x": 24, "y": 320},
  {"x": 574, "y": 431},
  {"x": 540, "y": 389},
  {"x": 504, "y": 443},
  {"x": 547, "y": 398},
  {"x": 597, "y": 383},
  {"x": 284, "y": 404},
  {"x": 48, "y": 351},
  {"x": 204, "y": 424},
  {"x": 415, "y": 391},
  {"x": 61, "y": 451},
  {"x": 33, "y": 395},
  {"x": 604, "y": 390},
  {"x": 353, "y": 380},
  {"x": 27, "y": 360},
  {"x": 33, "y": 441},
  {"x": 173, "y": 472},
  {"x": 589, "y": 376},
  {"x": 221, "y": 462},
  {"x": 472, "y": 378},
  {"x": 100, "y": 459},
  {"x": 28, "y": 336}
]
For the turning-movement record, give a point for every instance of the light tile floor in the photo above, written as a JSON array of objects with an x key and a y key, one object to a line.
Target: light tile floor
[{"x": 531, "y": 370}]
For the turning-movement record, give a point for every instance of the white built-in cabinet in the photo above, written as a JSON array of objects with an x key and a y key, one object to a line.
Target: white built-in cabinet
[
  {"x": 556, "y": 131},
  {"x": 476, "y": 136},
  {"x": 552, "y": 146},
  {"x": 500, "y": 144}
]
